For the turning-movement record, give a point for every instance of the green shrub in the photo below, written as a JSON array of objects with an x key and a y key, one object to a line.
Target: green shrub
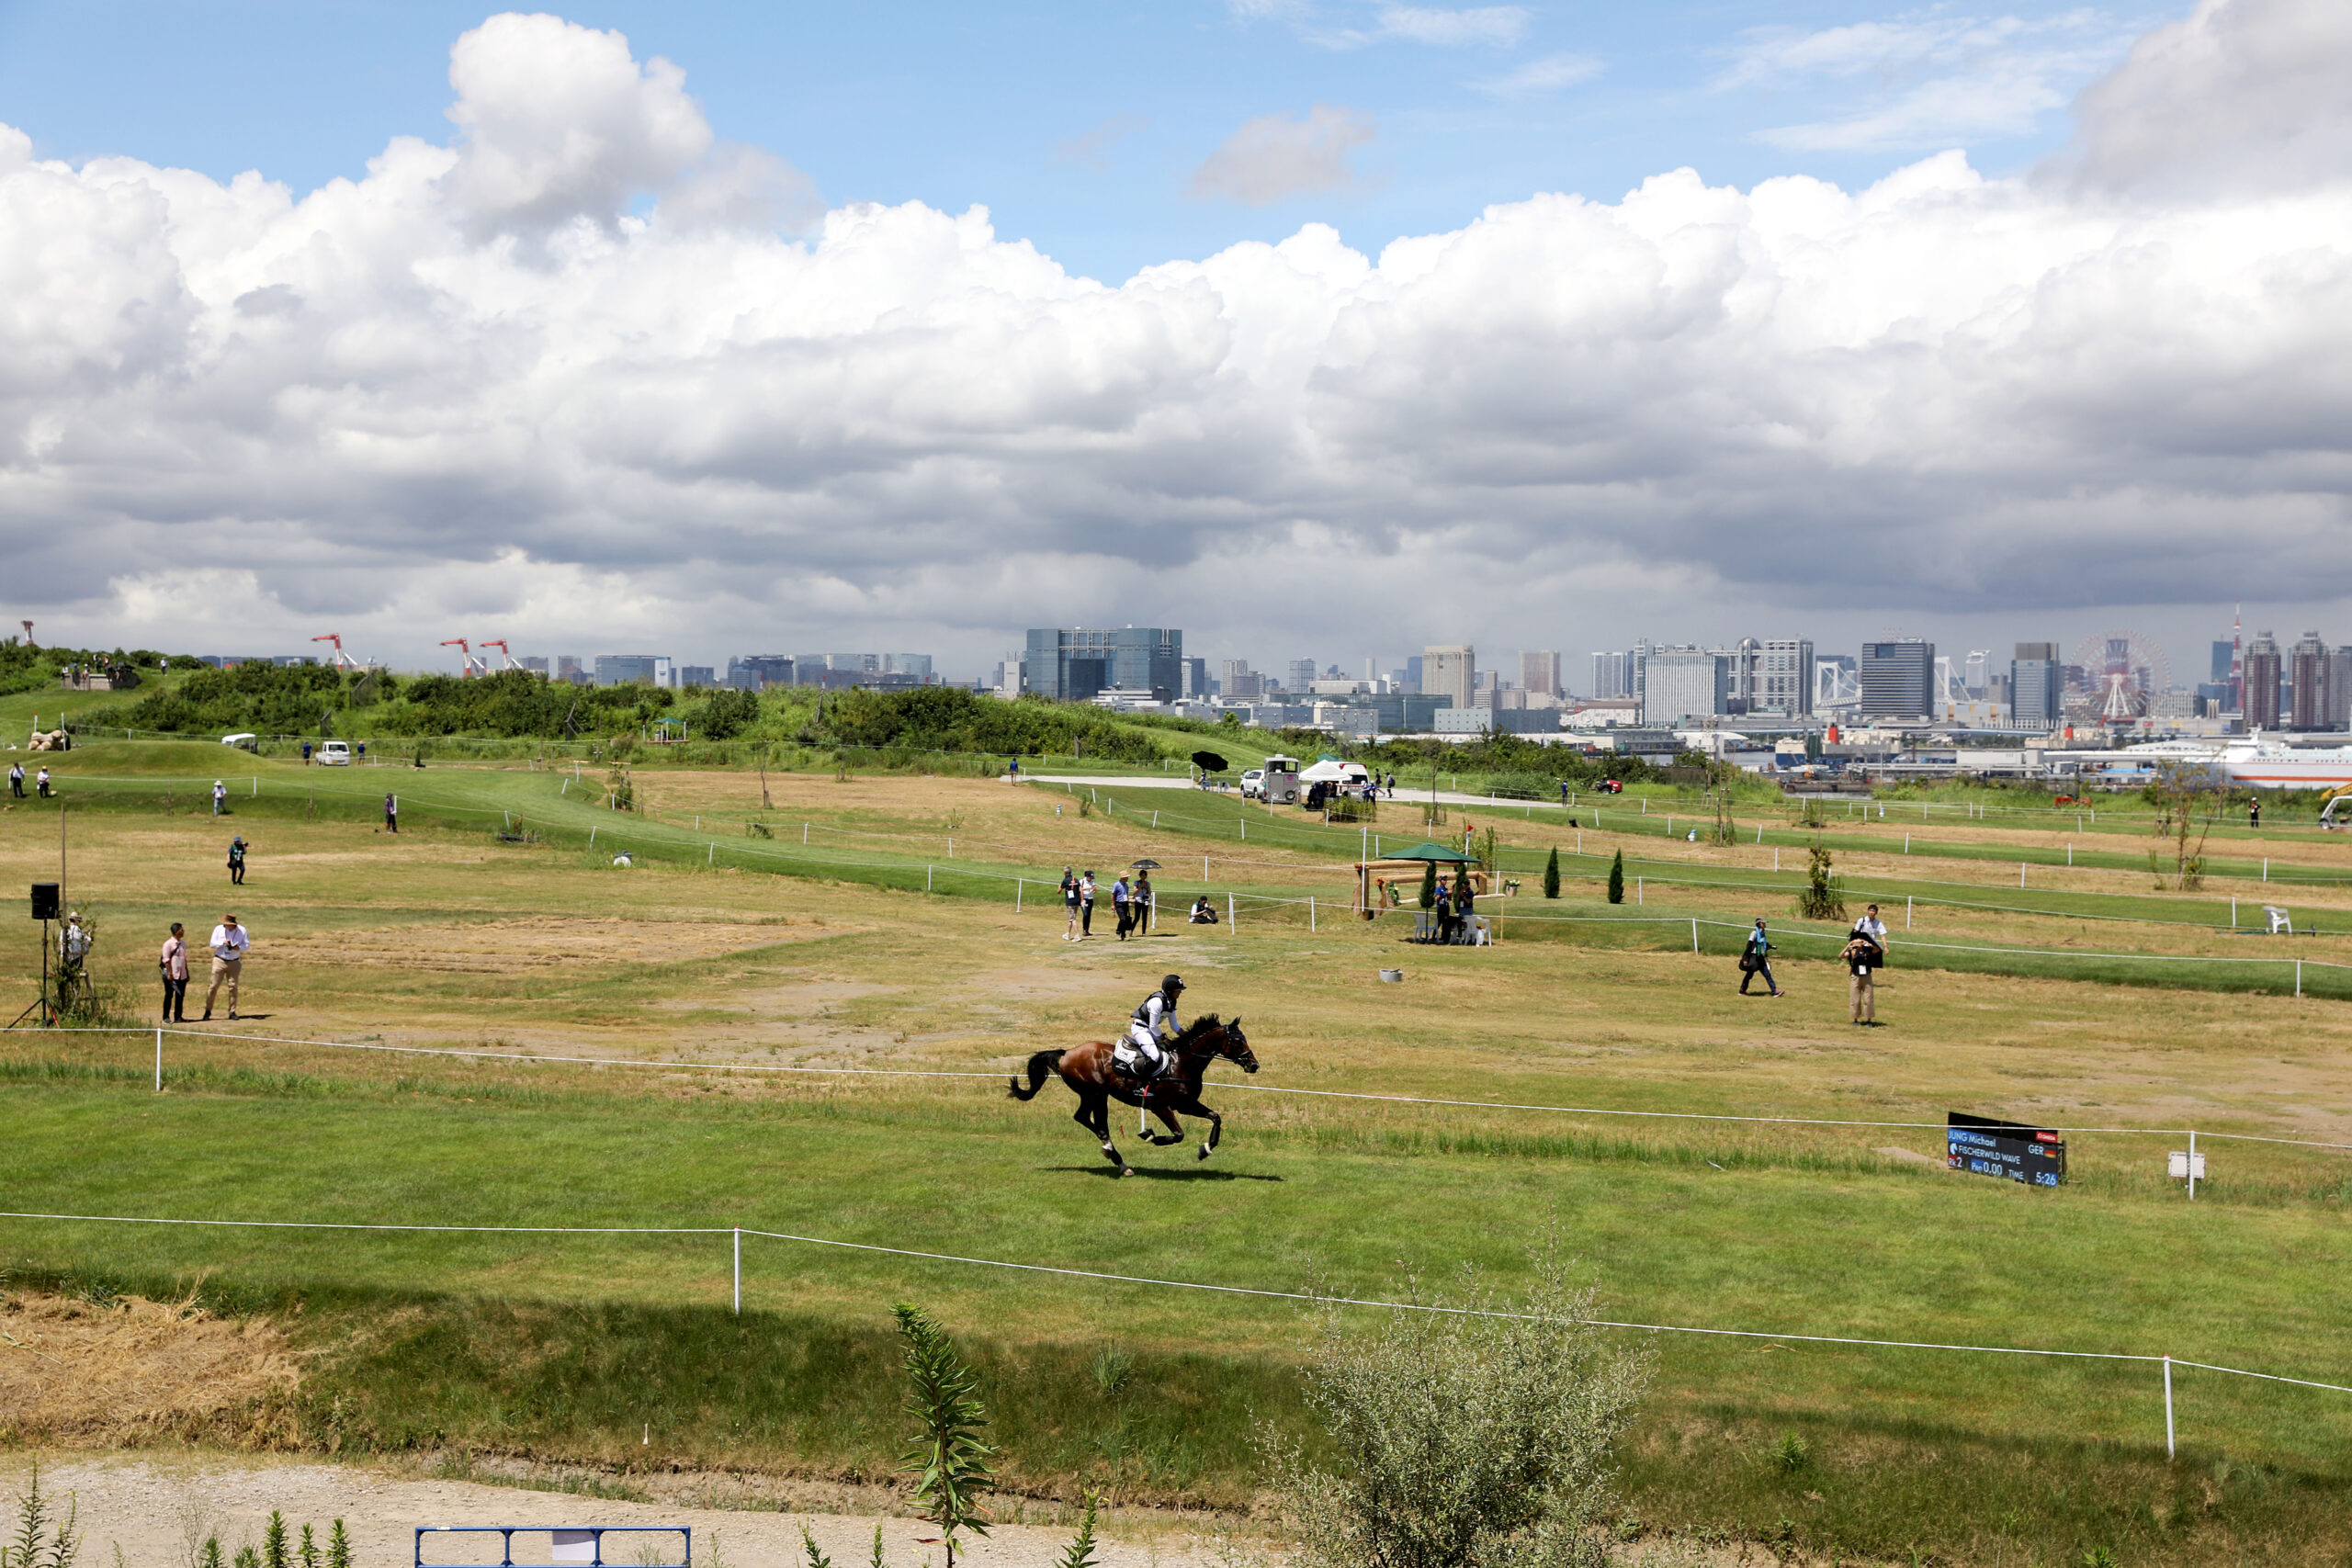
[{"x": 1617, "y": 878}]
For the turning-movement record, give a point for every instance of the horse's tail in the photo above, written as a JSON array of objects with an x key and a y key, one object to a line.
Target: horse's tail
[{"x": 1042, "y": 1065}]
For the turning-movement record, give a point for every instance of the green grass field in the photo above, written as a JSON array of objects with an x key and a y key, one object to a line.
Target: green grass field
[{"x": 714, "y": 948}]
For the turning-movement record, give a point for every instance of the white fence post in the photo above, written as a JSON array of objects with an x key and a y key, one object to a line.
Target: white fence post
[
  {"x": 2192, "y": 1164},
  {"x": 1310, "y": 911},
  {"x": 1016, "y": 895},
  {"x": 1694, "y": 936},
  {"x": 2169, "y": 1451},
  {"x": 2298, "y": 976},
  {"x": 158, "y": 1061},
  {"x": 803, "y": 835},
  {"x": 2020, "y": 873},
  {"x": 926, "y": 879},
  {"x": 1907, "y": 911},
  {"x": 738, "y": 1270},
  {"x": 1228, "y": 912},
  {"x": 1637, "y": 893},
  {"x": 591, "y": 838}
]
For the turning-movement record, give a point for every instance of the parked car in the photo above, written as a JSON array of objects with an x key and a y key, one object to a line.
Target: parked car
[
  {"x": 1253, "y": 784},
  {"x": 334, "y": 753}
]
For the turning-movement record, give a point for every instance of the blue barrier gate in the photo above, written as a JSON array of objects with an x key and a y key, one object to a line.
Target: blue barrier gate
[{"x": 584, "y": 1547}]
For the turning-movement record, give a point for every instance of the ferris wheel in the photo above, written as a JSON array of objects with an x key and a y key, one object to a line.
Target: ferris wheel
[{"x": 2122, "y": 674}]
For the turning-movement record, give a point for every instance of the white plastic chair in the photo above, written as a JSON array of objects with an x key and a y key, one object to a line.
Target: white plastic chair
[{"x": 2278, "y": 921}]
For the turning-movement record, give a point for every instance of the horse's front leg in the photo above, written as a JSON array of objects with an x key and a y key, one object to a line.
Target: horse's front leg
[
  {"x": 1167, "y": 1114},
  {"x": 1216, "y": 1123}
]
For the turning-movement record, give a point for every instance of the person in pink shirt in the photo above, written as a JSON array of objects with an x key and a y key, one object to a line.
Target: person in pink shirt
[{"x": 174, "y": 965}]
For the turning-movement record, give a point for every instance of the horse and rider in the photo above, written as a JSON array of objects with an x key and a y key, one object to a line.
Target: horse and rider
[{"x": 1156, "y": 1065}]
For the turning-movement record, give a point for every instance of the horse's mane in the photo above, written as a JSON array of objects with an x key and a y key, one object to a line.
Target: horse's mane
[{"x": 1199, "y": 1027}]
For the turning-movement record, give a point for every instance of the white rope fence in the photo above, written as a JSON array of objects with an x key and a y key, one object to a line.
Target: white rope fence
[{"x": 736, "y": 1232}]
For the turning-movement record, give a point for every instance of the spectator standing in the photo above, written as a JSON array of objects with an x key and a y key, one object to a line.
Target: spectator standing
[
  {"x": 1753, "y": 962},
  {"x": 220, "y": 797},
  {"x": 1871, "y": 925},
  {"x": 40, "y": 783},
  {"x": 1466, "y": 906},
  {"x": 1140, "y": 901},
  {"x": 17, "y": 779},
  {"x": 1121, "y": 907},
  {"x": 1863, "y": 959},
  {"x": 1086, "y": 906},
  {"x": 391, "y": 814},
  {"x": 229, "y": 944},
  {"x": 1070, "y": 901},
  {"x": 237, "y": 862},
  {"x": 174, "y": 965},
  {"x": 2252, "y": 809}
]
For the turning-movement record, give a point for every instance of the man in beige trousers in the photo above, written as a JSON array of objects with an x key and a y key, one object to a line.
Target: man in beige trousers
[{"x": 229, "y": 942}]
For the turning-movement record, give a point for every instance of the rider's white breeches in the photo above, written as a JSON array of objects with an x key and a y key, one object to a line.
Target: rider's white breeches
[{"x": 1140, "y": 1038}]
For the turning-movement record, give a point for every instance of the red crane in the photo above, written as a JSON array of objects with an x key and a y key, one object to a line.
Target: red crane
[
  {"x": 341, "y": 660},
  {"x": 500, "y": 644},
  {"x": 466, "y": 652}
]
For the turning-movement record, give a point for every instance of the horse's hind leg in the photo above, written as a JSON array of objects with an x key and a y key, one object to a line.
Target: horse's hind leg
[{"x": 1094, "y": 1115}]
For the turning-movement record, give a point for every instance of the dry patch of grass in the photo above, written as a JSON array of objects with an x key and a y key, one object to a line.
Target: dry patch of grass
[{"x": 76, "y": 1371}]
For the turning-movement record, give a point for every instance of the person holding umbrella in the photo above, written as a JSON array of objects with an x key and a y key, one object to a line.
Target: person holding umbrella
[{"x": 1139, "y": 897}]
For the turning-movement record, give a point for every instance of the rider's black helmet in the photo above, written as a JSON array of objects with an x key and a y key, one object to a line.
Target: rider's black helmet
[{"x": 1171, "y": 984}]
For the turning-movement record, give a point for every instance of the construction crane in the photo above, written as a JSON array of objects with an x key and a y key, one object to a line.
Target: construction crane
[
  {"x": 341, "y": 660},
  {"x": 500, "y": 644},
  {"x": 466, "y": 652}
]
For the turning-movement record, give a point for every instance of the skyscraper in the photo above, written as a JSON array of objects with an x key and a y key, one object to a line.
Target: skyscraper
[
  {"x": 2037, "y": 687},
  {"x": 1899, "y": 678},
  {"x": 1540, "y": 671},
  {"x": 2307, "y": 682},
  {"x": 1611, "y": 676},
  {"x": 1448, "y": 670},
  {"x": 1299, "y": 676},
  {"x": 2259, "y": 671},
  {"x": 1073, "y": 664},
  {"x": 1784, "y": 677}
]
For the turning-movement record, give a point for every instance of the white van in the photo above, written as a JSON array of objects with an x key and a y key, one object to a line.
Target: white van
[{"x": 334, "y": 754}]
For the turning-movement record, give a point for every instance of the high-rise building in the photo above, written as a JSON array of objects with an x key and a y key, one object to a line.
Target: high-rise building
[
  {"x": 1540, "y": 671},
  {"x": 2307, "y": 683},
  {"x": 1413, "y": 675},
  {"x": 1783, "y": 682},
  {"x": 1449, "y": 670},
  {"x": 915, "y": 664},
  {"x": 1195, "y": 673},
  {"x": 1073, "y": 664},
  {"x": 2259, "y": 671},
  {"x": 536, "y": 664},
  {"x": 1241, "y": 681},
  {"x": 2037, "y": 687},
  {"x": 1899, "y": 678},
  {"x": 697, "y": 675},
  {"x": 751, "y": 671},
  {"x": 2225, "y": 655},
  {"x": 2339, "y": 688},
  {"x": 1684, "y": 684},
  {"x": 1299, "y": 675},
  {"x": 633, "y": 669},
  {"x": 1611, "y": 676},
  {"x": 1977, "y": 673}
]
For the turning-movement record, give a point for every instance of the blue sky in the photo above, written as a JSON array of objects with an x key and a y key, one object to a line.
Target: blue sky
[{"x": 1081, "y": 127}]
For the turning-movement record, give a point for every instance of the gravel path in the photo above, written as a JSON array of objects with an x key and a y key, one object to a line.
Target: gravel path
[{"x": 149, "y": 1508}]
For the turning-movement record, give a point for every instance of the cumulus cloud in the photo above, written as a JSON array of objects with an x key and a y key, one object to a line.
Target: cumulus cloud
[
  {"x": 2240, "y": 95},
  {"x": 1274, "y": 157},
  {"x": 1493, "y": 26},
  {"x": 227, "y": 414}
]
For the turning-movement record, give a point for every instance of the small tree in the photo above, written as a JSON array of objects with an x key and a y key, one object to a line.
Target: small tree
[
  {"x": 946, "y": 1454},
  {"x": 1552, "y": 874},
  {"x": 1464, "y": 1439},
  {"x": 40, "y": 1540},
  {"x": 1617, "y": 878},
  {"x": 1819, "y": 901},
  {"x": 275, "y": 1550},
  {"x": 1429, "y": 885},
  {"x": 338, "y": 1547}
]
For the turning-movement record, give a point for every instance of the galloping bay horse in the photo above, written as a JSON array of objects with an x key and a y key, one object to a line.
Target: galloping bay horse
[{"x": 1093, "y": 1077}]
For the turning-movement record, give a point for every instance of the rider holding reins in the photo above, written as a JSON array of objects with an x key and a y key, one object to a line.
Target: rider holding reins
[{"x": 1154, "y": 1018}]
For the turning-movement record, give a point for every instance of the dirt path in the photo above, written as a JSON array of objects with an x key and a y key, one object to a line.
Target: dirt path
[{"x": 150, "y": 1508}]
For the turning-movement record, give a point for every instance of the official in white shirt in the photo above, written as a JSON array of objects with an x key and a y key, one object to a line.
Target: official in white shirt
[
  {"x": 1871, "y": 925},
  {"x": 229, "y": 942}
]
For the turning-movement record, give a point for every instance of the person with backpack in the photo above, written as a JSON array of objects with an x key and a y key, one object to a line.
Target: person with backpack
[
  {"x": 1752, "y": 961},
  {"x": 237, "y": 862}
]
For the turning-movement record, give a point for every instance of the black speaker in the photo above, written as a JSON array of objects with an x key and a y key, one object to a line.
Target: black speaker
[{"x": 44, "y": 900}]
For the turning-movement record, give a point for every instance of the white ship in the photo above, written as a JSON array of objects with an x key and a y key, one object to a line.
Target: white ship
[{"x": 2264, "y": 763}]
